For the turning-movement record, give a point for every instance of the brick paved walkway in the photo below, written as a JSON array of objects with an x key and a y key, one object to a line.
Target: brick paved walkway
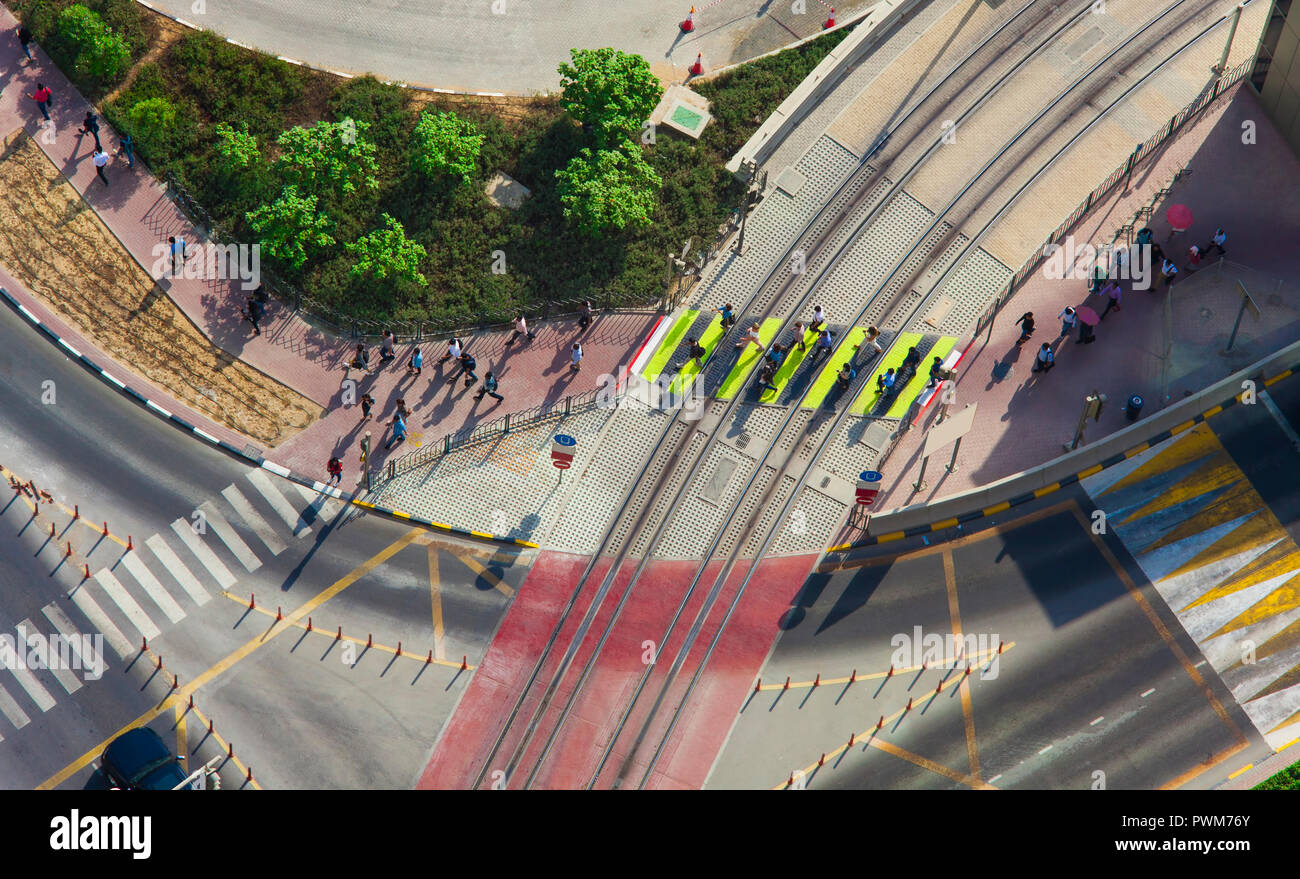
[{"x": 135, "y": 207}]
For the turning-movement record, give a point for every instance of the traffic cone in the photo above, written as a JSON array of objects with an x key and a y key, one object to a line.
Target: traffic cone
[
  {"x": 689, "y": 24},
  {"x": 830, "y": 22},
  {"x": 697, "y": 69}
]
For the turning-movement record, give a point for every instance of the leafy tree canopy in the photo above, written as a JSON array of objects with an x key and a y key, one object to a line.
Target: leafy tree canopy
[
  {"x": 608, "y": 190},
  {"x": 291, "y": 227},
  {"x": 610, "y": 92},
  {"x": 388, "y": 253}
]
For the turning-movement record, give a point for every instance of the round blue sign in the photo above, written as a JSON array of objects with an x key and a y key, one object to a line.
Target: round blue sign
[
  {"x": 871, "y": 476},
  {"x": 565, "y": 440}
]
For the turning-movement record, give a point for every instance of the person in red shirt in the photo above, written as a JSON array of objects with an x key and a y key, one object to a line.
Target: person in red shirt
[
  {"x": 335, "y": 468},
  {"x": 42, "y": 99}
]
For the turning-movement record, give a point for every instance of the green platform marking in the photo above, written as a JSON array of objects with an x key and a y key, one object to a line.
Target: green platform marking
[
  {"x": 748, "y": 359},
  {"x": 669, "y": 345},
  {"x": 793, "y": 358},
  {"x": 709, "y": 339},
  {"x": 921, "y": 379},
  {"x": 894, "y": 356},
  {"x": 840, "y": 356}
]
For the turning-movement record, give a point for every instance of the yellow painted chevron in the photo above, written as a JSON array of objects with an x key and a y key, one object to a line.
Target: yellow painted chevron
[
  {"x": 1217, "y": 472},
  {"x": 1277, "y": 560},
  {"x": 1238, "y": 501},
  {"x": 1281, "y": 600},
  {"x": 1261, "y": 528},
  {"x": 1289, "y": 679},
  {"x": 1198, "y": 443}
]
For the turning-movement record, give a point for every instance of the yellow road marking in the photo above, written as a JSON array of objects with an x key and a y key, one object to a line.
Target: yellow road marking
[
  {"x": 435, "y": 594},
  {"x": 1242, "y": 771},
  {"x": 968, "y": 717},
  {"x": 182, "y": 746},
  {"x": 474, "y": 565},
  {"x": 946, "y": 661},
  {"x": 926, "y": 763}
]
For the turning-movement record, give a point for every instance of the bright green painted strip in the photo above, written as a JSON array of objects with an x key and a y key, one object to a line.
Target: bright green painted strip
[
  {"x": 840, "y": 356},
  {"x": 709, "y": 339},
  {"x": 748, "y": 358},
  {"x": 792, "y": 360},
  {"x": 894, "y": 357},
  {"x": 921, "y": 379},
  {"x": 669, "y": 345}
]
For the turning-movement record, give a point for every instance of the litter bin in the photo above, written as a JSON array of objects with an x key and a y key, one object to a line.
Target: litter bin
[{"x": 1133, "y": 407}]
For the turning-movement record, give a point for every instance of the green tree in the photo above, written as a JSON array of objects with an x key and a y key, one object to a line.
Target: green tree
[
  {"x": 236, "y": 148},
  {"x": 608, "y": 190},
  {"x": 610, "y": 92},
  {"x": 446, "y": 144},
  {"x": 388, "y": 253},
  {"x": 95, "y": 49},
  {"x": 291, "y": 227},
  {"x": 151, "y": 120},
  {"x": 328, "y": 157}
]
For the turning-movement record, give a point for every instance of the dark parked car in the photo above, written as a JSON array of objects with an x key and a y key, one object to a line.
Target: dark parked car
[{"x": 139, "y": 760}]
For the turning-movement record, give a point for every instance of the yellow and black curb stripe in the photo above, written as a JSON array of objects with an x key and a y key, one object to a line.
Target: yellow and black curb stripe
[
  {"x": 1003, "y": 506},
  {"x": 259, "y": 461}
]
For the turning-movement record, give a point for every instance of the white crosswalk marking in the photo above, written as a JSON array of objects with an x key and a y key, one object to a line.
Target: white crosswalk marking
[
  {"x": 10, "y": 709},
  {"x": 28, "y": 682},
  {"x": 64, "y": 626},
  {"x": 160, "y": 596},
  {"x": 218, "y": 523},
  {"x": 282, "y": 507},
  {"x": 253, "y": 519},
  {"x": 54, "y": 657},
  {"x": 206, "y": 557},
  {"x": 326, "y": 507},
  {"x": 126, "y": 603},
  {"x": 102, "y": 622},
  {"x": 177, "y": 569}
]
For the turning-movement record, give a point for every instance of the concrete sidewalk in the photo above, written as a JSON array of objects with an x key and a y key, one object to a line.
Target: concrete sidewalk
[
  {"x": 1163, "y": 345},
  {"x": 136, "y": 209}
]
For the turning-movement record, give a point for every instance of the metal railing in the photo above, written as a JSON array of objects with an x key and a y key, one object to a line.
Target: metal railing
[{"x": 1123, "y": 172}]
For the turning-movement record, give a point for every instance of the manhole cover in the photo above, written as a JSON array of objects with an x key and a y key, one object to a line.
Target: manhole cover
[{"x": 718, "y": 482}]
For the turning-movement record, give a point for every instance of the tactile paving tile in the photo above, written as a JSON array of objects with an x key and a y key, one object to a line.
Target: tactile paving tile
[
  {"x": 846, "y": 454},
  {"x": 645, "y": 489},
  {"x": 971, "y": 287},
  {"x": 750, "y": 428},
  {"x": 696, "y": 522},
  {"x": 661, "y": 499},
  {"x": 810, "y": 524},
  {"x": 736, "y": 527}
]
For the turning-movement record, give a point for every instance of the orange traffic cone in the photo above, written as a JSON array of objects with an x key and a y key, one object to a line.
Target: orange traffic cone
[
  {"x": 689, "y": 24},
  {"x": 830, "y": 22},
  {"x": 697, "y": 69}
]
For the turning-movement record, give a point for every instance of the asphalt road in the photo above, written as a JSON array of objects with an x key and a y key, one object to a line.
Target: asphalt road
[{"x": 301, "y": 714}]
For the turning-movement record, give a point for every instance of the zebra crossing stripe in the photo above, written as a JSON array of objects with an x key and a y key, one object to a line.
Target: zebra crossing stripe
[
  {"x": 177, "y": 568},
  {"x": 160, "y": 596},
  {"x": 282, "y": 507},
  {"x": 126, "y": 603},
  {"x": 64, "y": 627},
  {"x": 206, "y": 556},
  {"x": 325, "y": 508},
  {"x": 253, "y": 519},
  {"x": 28, "y": 682},
  {"x": 101, "y": 621},
  {"x": 228, "y": 536},
  {"x": 63, "y": 675},
  {"x": 10, "y": 709}
]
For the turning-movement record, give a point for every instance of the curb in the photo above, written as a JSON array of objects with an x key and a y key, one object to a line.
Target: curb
[
  {"x": 1026, "y": 497},
  {"x": 277, "y": 469}
]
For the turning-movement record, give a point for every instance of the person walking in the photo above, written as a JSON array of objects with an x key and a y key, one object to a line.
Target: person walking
[
  {"x": 24, "y": 40},
  {"x": 1113, "y": 292},
  {"x": 454, "y": 348},
  {"x": 575, "y": 358},
  {"x": 1086, "y": 336},
  {"x": 696, "y": 350},
  {"x": 1168, "y": 271},
  {"x": 1069, "y": 320},
  {"x": 367, "y": 403},
  {"x": 818, "y": 318},
  {"x": 885, "y": 381},
  {"x": 177, "y": 249},
  {"x": 489, "y": 387},
  {"x": 799, "y": 333},
  {"x": 254, "y": 313},
  {"x": 824, "y": 343},
  {"x": 1045, "y": 359},
  {"x": 585, "y": 315},
  {"x": 360, "y": 360},
  {"x": 386, "y": 348},
  {"x": 100, "y": 158},
  {"x": 467, "y": 366},
  {"x": 400, "y": 407},
  {"x": 126, "y": 146},
  {"x": 43, "y": 98},
  {"x": 399, "y": 432},
  {"x": 936, "y": 372},
  {"x": 335, "y": 470},
  {"x": 1216, "y": 241},
  {"x": 1193, "y": 258},
  {"x": 415, "y": 365},
  {"x": 751, "y": 335},
  {"x": 90, "y": 125},
  {"x": 872, "y": 339},
  {"x": 765, "y": 376},
  {"x": 1026, "y": 323},
  {"x": 521, "y": 329},
  {"x": 728, "y": 316},
  {"x": 845, "y": 376}
]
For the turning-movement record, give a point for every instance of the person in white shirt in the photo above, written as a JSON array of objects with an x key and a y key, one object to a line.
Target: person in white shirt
[
  {"x": 1216, "y": 241},
  {"x": 1068, "y": 321},
  {"x": 1168, "y": 271},
  {"x": 1045, "y": 359},
  {"x": 818, "y": 319},
  {"x": 751, "y": 335},
  {"x": 453, "y": 351},
  {"x": 101, "y": 159},
  {"x": 521, "y": 329},
  {"x": 872, "y": 338}
]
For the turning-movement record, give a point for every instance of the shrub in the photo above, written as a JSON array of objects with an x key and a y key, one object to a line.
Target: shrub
[
  {"x": 610, "y": 92},
  {"x": 94, "y": 51},
  {"x": 445, "y": 144},
  {"x": 609, "y": 190},
  {"x": 387, "y": 253},
  {"x": 150, "y": 120},
  {"x": 291, "y": 228}
]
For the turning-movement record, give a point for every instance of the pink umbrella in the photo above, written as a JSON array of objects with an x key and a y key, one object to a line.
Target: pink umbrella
[
  {"x": 1087, "y": 315},
  {"x": 1180, "y": 217}
]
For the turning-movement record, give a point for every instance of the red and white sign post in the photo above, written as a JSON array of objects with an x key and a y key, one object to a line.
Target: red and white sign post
[{"x": 563, "y": 448}]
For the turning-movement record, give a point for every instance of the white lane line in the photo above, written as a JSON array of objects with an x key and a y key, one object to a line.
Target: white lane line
[
  {"x": 177, "y": 569},
  {"x": 253, "y": 519},
  {"x": 28, "y": 682},
  {"x": 101, "y": 621},
  {"x": 126, "y": 603},
  {"x": 54, "y": 658},
  {"x": 233, "y": 541},
  {"x": 1147, "y": 693},
  {"x": 995, "y": 778},
  {"x": 10, "y": 708},
  {"x": 282, "y": 507},
  {"x": 206, "y": 557},
  {"x": 60, "y": 621},
  {"x": 1098, "y": 720},
  {"x": 1267, "y": 399},
  {"x": 1199, "y": 664},
  {"x": 1045, "y": 750},
  {"x": 160, "y": 596}
]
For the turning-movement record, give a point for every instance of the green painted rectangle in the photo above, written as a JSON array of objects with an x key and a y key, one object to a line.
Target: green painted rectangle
[
  {"x": 840, "y": 356},
  {"x": 792, "y": 360},
  {"x": 893, "y": 357},
  {"x": 748, "y": 359},
  {"x": 709, "y": 339},
  {"x": 669, "y": 345},
  {"x": 913, "y": 390}
]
